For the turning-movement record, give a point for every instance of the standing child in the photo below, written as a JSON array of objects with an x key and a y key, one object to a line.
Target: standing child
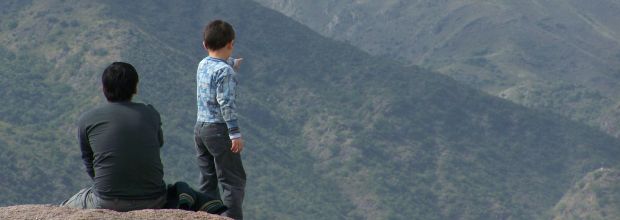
[{"x": 217, "y": 135}]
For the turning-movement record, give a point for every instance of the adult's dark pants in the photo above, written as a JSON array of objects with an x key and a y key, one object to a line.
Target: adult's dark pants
[{"x": 218, "y": 163}]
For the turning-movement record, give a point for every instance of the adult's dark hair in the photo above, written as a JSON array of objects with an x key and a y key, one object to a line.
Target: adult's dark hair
[
  {"x": 217, "y": 34},
  {"x": 120, "y": 82}
]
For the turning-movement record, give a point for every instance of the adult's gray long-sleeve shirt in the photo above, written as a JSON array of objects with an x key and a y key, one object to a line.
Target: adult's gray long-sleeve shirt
[{"x": 120, "y": 143}]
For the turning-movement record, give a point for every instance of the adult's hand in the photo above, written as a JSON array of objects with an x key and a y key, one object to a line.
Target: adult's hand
[{"x": 237, "y": 145}]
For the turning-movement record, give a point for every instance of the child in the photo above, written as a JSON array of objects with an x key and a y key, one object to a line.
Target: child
[{"x": 217, "y": 135}]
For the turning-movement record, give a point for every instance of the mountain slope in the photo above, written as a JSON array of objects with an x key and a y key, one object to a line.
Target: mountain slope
[
  {"x": 492, "y": 45},
  {"x": 331, "y": 132},
  {"x": 596, "y": 196}
]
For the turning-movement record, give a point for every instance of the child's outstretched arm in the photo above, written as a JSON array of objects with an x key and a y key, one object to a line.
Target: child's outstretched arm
[{"x": 234, "y": 62}]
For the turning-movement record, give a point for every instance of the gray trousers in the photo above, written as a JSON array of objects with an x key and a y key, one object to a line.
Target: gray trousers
[
  {"x": 218, "y": 164},
  {"x": 86, "y": 199}
]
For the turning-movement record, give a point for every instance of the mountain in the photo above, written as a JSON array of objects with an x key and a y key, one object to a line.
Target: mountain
[
  {"x": 596, "y": 196},
  {"x": 496, "y": 45},
  {"x": 331, "y": 132}
]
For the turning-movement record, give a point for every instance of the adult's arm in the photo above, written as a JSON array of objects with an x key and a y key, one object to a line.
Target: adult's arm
[
  {"x": 160, "y": 136},
  {"x": 87, "y": 151},
  {"x": 160, "y": 132}
]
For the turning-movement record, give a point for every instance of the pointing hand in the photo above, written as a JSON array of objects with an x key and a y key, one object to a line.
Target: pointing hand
[{"x": 237, "y": 63}]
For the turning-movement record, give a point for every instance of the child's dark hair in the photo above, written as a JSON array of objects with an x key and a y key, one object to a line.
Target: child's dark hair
[
  {"x": 120, "y": 82},
  {"x": 217, "y": 34}
]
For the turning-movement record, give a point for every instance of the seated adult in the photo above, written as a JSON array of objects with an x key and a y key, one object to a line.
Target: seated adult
[{"x": 120, "y": 143}]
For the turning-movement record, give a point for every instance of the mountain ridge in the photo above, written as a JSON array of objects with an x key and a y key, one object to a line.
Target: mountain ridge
[
  {"x": 332, "y": 132},
  {"x": 593, "y": 197},
  {"x": 496, "y": 46}
]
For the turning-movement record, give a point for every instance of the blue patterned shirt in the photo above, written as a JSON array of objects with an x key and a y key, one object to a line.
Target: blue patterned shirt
[{"x": 216, "y": 93}]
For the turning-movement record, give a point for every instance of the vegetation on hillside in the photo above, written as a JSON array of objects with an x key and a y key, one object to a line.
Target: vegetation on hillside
[
  {"x": 596, "y": 197},
  {"x": 331, "y": 132},
  {"x": 492, "y": 45},
  {"x": 571, "y": 100}
]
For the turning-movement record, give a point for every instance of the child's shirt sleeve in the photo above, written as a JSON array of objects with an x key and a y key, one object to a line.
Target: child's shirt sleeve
[
  {"x": 226, "y": 97},
  {"x": 231, "y": 61}
]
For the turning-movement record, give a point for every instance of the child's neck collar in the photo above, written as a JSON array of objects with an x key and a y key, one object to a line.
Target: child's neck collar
[{"x": 219, "y": 55}]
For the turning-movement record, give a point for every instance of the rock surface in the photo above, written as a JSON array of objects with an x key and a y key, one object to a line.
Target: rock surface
[{"x": 55, "y": 212}]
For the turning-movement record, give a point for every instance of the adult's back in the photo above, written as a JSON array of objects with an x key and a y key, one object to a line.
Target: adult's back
[{"x": 120, "y": 143}]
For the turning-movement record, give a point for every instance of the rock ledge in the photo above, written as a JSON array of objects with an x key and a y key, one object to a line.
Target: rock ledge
[{"x": 56, "y": 212}]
